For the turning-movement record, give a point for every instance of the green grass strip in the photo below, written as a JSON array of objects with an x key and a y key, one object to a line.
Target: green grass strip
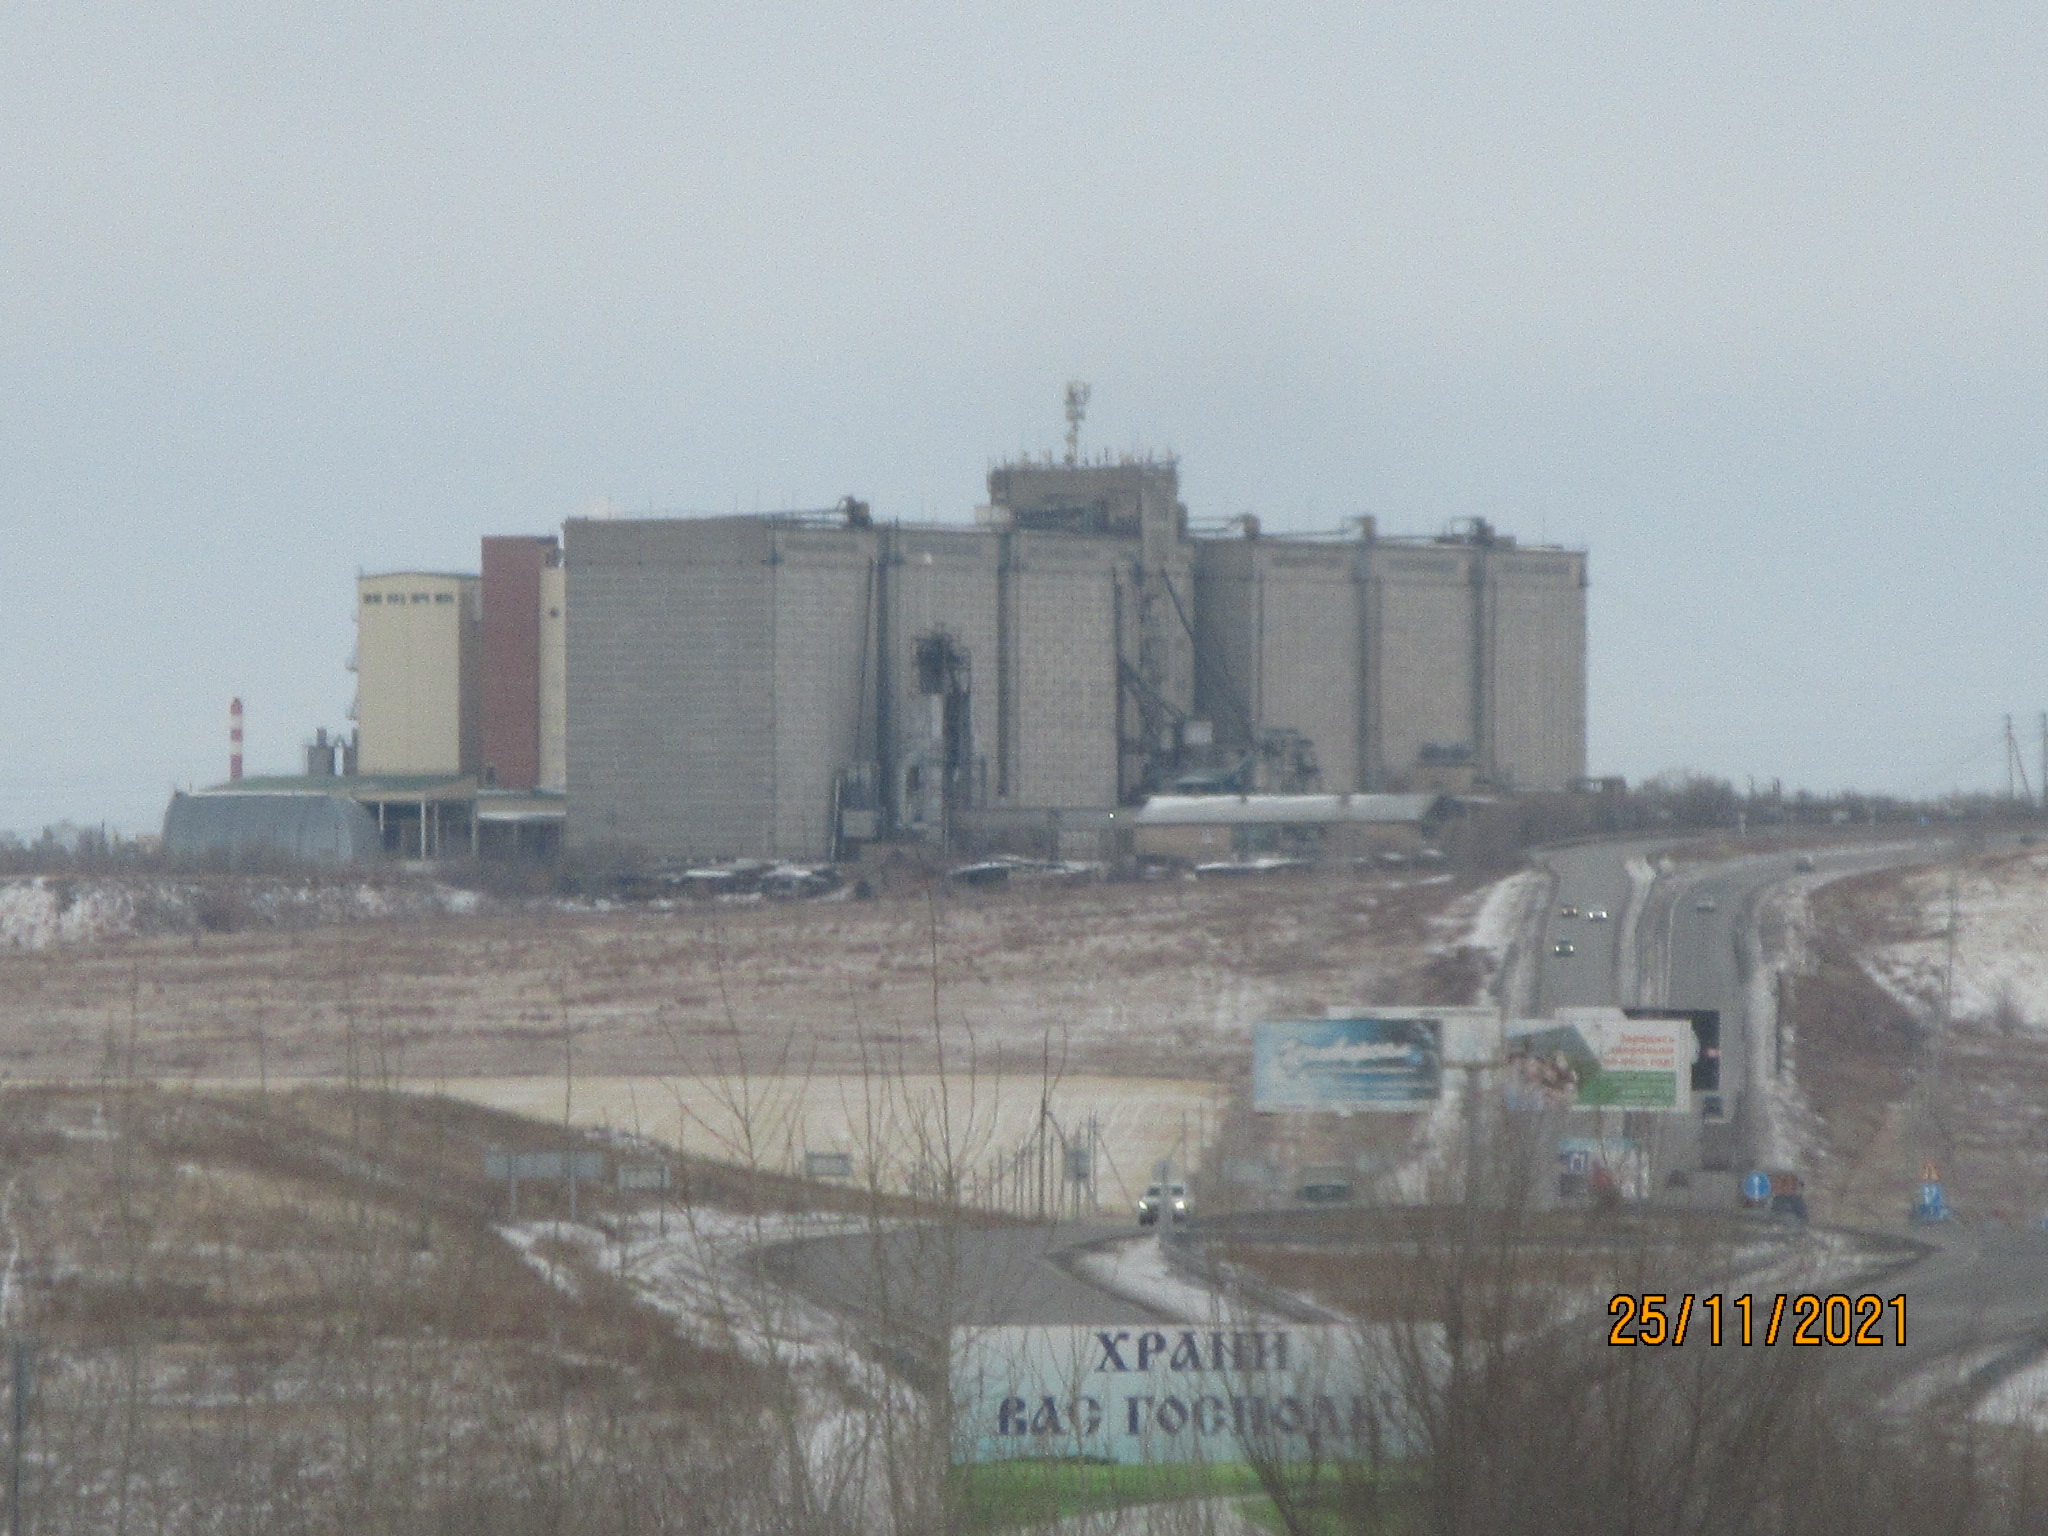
[{"x": 1003, "y": 1495}]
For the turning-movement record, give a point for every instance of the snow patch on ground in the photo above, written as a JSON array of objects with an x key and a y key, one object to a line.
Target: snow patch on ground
[
  {"x": 695, "y": 1266},
  {"x": 1492, "y": 917},
  {"x": 2001, "y": 950},
  {"x": 1775, "y": 943},
  {"x": 1137, "y": 1269},
  {"x": 42, "y": 911},
  {"x": 1642, "y": 875},
  {"x": 2020, "y": 1400}
]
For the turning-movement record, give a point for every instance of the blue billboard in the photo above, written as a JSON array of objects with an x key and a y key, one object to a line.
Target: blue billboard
[{"x": 1341, "y": 1065}]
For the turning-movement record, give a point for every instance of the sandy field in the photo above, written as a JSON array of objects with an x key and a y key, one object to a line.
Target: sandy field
[{"x": 895, "y": 1127}]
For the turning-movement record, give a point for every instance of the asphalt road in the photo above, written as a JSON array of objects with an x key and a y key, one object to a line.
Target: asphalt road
[
  {"x": 1687, "y": 952},
  {"x": 1978, "y": 1303},
  {"x": 921, "y": 1280}
]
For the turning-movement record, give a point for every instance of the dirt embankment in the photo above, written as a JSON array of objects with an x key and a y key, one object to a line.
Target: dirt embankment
[
  {"x": 1893, "y": 1088},
  {"x": 1131, "y": 979}
]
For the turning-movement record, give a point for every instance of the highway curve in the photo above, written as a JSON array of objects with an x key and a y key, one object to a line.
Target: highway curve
[{"x": 1978, "y": 1300}]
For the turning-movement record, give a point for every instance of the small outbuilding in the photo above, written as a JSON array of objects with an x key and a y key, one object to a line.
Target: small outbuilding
[
  {"x": 1199, "y": 829},
  {"x": 245, "y": 830}
]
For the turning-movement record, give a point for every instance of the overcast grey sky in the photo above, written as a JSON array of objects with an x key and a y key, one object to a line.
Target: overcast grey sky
[{"x": 1748, "y": 298}]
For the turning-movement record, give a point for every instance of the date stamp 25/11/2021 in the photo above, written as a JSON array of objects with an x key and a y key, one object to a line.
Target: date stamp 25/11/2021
[{"x": 1809, "y": 1318}]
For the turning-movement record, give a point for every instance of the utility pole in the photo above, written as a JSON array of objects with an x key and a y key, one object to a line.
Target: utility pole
[{"x": 2016, "y": 785}]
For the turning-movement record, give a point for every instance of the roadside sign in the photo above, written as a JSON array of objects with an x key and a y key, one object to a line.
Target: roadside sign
[
  {"x": 828, "y": 1165},
  {"x": 1146, "y": 1396},
  {"x": 1933, "y": 1204},
  {"x": 1585, "y": 1163},
  {"x": 1756, "y": 1186},
  {"x": 543, "y": 1165}
]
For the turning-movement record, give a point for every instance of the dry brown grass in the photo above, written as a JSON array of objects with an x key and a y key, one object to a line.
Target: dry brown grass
[
  {"x": 1114, "y": 970},
  {"x": 1887, "y": 1099},
  {"x": 291, "y": 1312}
]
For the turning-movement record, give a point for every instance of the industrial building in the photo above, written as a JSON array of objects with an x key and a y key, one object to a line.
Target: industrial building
[
  {"x": 458, "y": 742},
  {"x": 523, "y": 640},
  {"x": 793, "y": 685},
  {"x": 798, "y": 685},
  {"x": 418, "y": 662},
  {"x": 250, "y": 829}
]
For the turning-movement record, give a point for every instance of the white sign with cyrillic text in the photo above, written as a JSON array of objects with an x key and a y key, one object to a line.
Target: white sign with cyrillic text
[{"x": 1157, "y": 1394}]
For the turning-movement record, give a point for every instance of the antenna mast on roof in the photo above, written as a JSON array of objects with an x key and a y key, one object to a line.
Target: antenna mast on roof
[{"x": 1077, "y": 412}]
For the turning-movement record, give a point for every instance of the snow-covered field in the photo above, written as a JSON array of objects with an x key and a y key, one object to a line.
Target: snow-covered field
[
  {"x": 2000, "y": 972},
  {"x": 1875, "y": 971}
]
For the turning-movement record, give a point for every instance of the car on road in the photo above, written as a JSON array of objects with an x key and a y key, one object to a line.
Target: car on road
[
  {"x": 1706, "y": 904},
  {"x": 1596, "y": 914},
  {"x": 1804, "y": 864},
  {"x": 1564, "y": 947},
  {"x": 1168, "y": 1200},
  {"x": 1567, "y": 911}
]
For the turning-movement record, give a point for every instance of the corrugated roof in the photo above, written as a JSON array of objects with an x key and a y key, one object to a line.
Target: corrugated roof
[
  {"x": 320, "y": 829},
  {"x": 1282, "y": 810},
  {"x": 358, "y": 786}
]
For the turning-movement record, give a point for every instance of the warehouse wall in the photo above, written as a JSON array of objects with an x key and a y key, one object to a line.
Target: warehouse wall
[
  {"x": 1060, "y": 654},
  {"x": 1310, "y": 652},
  {"x": 671, "y": 686},
  {"x": 1539, "y": 656},
  {"x": 1281, "y": 637},
  {"x": 822, "y": 622},
  {"x": 511, "y": 639},
  {"x": 1421, "y": 652}
]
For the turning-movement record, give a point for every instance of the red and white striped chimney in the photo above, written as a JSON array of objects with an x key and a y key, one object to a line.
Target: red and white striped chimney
[{"x": 234, "y": 740}]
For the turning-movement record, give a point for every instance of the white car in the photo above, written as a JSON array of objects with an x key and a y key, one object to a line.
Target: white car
[{"x": 1168, "y": 1200}]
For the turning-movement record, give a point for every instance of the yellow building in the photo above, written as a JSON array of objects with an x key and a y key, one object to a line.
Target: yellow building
[{"x": 419, "y": 662}]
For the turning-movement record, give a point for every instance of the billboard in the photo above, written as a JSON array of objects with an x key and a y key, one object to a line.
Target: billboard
[
  {"x": 1597, "y": 1058},
  {"x": 1341, "y": 1065},
  {"x": 1148, "y": 1395},
  {"x": 1706, "y": 1033}
]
